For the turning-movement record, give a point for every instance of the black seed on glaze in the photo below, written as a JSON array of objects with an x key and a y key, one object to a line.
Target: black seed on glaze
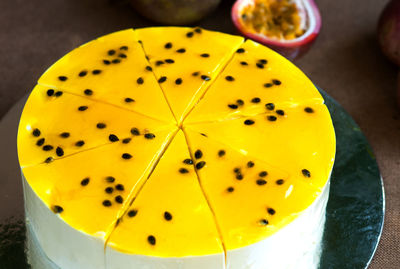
[
  {"x": 40, "y": 142},
  {"x": 239, "y": 176},
  {"x": 249, "y": 122},
  {"x": 124, "y": 48},
  {"x": 183, "y": 171},
  {"x": 261, "y": 182},
  {"x": 205, "y": 55},
  {"x": 221, "y": 153},
  {"x": 83, "y": 73},
  {"x": 50, "y": 92},
  {"x": 111, "y": 52},
  {"x": 230, "y": 189},
  {"x": 182, "y": 50},
  {"x": 236, "y": 170},
  {"x": 167, "y": 216},
  {"x": 233, "y": 106},
  {"x": 263, "y": 61},
  {"x": 47, "y": 147},
  {"x": 57, "y": 209},
  {"x": 198, "y": 30},
  {"x": 135, "y": 131},
  {"x": 85, "y": 181},
  {"x": 240, "y": 50},
  {"x": 162, "y": 79},
  {"x": 229, "y": 78},
  {"x": 268, "y": 85},
  {"x": 178, "y": 81},
  {"x": 59, "y": 152},
  {"x": 271, "y": 118},
  {"x": 101, "y": 125},
  {"x": 256, "y": 100},
  {"x": 244, "y": 63},
  {"x": 129, "y": 100},
  {"x": 36, "y": 132},
  {"x": 126, "y": 156},
  {"x": 271, "y": 211},
  {"x": 158, "y": 63},
  {"x": 189, "y": 34},
  {"x": 110, "y": 179},
  {"x": 151, "y": 239},
  {"x": 119, "y": 199},
  {"x": 106, "y": 62},
  {"x": 280, "y": 112},
  {"x": 119, "y": 187},
  {"x": 109, "y": 190},
  {"x": 276, "y": 82},
  {"x": 264, "y": 222},
  {"x": 96, "y": 72},
  {"x": 82, "y": 108},
  {"x": 126, "y": 140},
  {"x": 250, "y": 164},
  {"x": 80, "y": 143},
  {"x": 309, "y": 110},
  {"x": 206, "y": 78},
  {"x": 62, "y": 78},
  {"x": 260, "y": 65},
  {"x": 200, "y": 165},
  {"x": 107, "y": 203},
  {"x": 270, "y": 106},
  {"x": 195, "y": 74},
  {"x": 88, "y": 92},
  {"x": 240, "y": 102},
  {"x": 149, "y": 136},
  {"x": 58, "y": 93},
  {"x": 306, "y": 173},
  {"x": 122, "y": 55},
  {"x": 140, "y": 81},
  {"x": 187, "y": 161},
  {"x": 113, "y": 138},
  {"x": 198, "y": 154},
  {"x": 169, "y": 61},
  {"x": 168, "y": 45},
  {"x": 280, "y": 182},
  {"x": 49, "y": 160},
  {"x": 263, "y": 174},
  {"x": 132, "y": 213},
  {"x": 203, "y": 134},
  {"x": 116, "y": 61},
  {"x": 149, "y": 68}
]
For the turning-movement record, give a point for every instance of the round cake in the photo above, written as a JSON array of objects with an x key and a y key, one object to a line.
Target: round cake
[{"x": 175, "y": 148}]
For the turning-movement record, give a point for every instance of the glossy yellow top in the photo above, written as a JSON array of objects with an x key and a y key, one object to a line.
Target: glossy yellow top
[
  {"x": 249, "y": 150},
  {"x": 188, "y": 59},
  {"x": 172, "y": 209}
]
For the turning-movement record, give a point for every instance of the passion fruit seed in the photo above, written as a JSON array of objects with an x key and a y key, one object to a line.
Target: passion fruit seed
[
  {"x": 221, "y": 153},
  {"x": 167, "y": 216},
  {"x": 188, "y": 161},
  {"x": 49, "y": 160},
  {"x": 119, "y": 199},
  {"x": 268, "y": 85},
  {"x": 80, "y": 143},
  {"x": 271, "y": 118},
  {"x": 280, "y": 112},
  {"x": 230, "y": 189},
  {"x": 306, "y": 173},
  {"x": 106, "y": 62},
  {"x": 47, "y": 147},
  {"x": 158, "y": 63},
  {"x": 205, "y": 78},
  {"x": 200, "y": 165},
  {"x": 263, "y": 174},
  {"x": 64, "y": 135},
  {"x": 57, "y": 209},
  {"x": 169, "y": 61},
  {"x": 124, "y": 48},
  {"x": 116, "y": 61},
  {"x": 126, "y": 140},
  {"x": 82, "y": 108},
  {"x": 122, "y": 55},
  {"x": 270, "y": 106},
  {"x": 107, "y": 203},
  {"x": 111, "y": 52},
  {"x": 109, "y": 190},
  {"x": 129, "y": 100},
  {"x": 151, "y": 239},
  {"x": 240, "y": 50},
  {"x": 261, "y": 182},
  {"x": 264, "y": 222},
  {"x": 96, "y": 71},
  {"x": 239, "y": 176},
  {"x": 101, "y": 125},
  {"x": 113, "y": 138},
  {"x": 276, "y": 82},
  {"x": 229, "y": 78},
  {"x": 126, "y": 156},
  {"x": 183, "y": 171},
  {"x": 135, "y": 131},
  {"x": 40, "y": 142},
  {"x": 162, "y": 79},
  {"x": 149, "y": 136},
  {"x": 244, "y": 63},
  {"x": 280, "y": 181},
  {"x": 309, "y": 110},
  {"x": 271, "y": 211},
  {"x": 140, "y": 81},
  {"x": 62, "y": 78},
  {"x": 50, "y": 92},
  {"x": 119, "y": 187},
  {"x": 132, "y": 213},
  {"x": 58, "y": 93},
  {"x": 250, "y": 164},
  {"x": 88, "y": 92},
  {"x": 59, "y": 152},
  {"x": 249, "y": 122},
  {"x": 110, "y": 179},
  {"x": 178, "y": 81},
  {"x": 149, "y": 68},
  {"x": 240, "y": 102},
  {"x": 237, "y": 170},
  {"x": 233, "y": 106},
  {"x": 182, "y": 50},
  {"x": 189, "y": 34},
  {"x": 195, "y": 74},
  {"x": 198, "y": 154},
  {"x": 82, "y": 73},
  {"x": 205, "y": 55},
  {"x": 85, "y": 181},
  {"x": 263, "y": 61},
  {"x": 260, "y": 65},
  {"x": 256, "y": 100},
  {"x": 36, "y": 132},
  {"x": 198, "y": 30}
]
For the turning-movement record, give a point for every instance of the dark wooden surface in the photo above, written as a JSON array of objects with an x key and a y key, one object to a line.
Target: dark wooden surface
[{"x": 345, "y": 61}]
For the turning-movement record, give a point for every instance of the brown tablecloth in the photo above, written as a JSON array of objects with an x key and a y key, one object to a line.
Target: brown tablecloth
[{"x": 345, "y": 61}]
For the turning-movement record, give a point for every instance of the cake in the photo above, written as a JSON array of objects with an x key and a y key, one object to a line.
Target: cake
[{"x": 175, "y": 147}]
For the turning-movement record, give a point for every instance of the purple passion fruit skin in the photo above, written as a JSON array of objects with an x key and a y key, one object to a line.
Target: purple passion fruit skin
[
  {"x": 175, "y": 12},
  {"x": 389, "y": 31}
]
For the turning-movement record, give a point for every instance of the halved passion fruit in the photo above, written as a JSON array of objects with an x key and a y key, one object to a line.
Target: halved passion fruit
[{"x": 287, "y": 26}]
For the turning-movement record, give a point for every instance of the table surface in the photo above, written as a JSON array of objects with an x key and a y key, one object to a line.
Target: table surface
[{"x": 345, "y": 61}]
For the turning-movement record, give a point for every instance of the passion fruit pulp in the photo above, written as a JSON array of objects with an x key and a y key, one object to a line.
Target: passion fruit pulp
[{"x": 287, "y": 26}]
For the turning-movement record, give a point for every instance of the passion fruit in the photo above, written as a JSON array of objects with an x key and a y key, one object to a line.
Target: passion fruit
[
  {"x": 287, "y": 26},
  {"x": 175, "y": 12}
]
